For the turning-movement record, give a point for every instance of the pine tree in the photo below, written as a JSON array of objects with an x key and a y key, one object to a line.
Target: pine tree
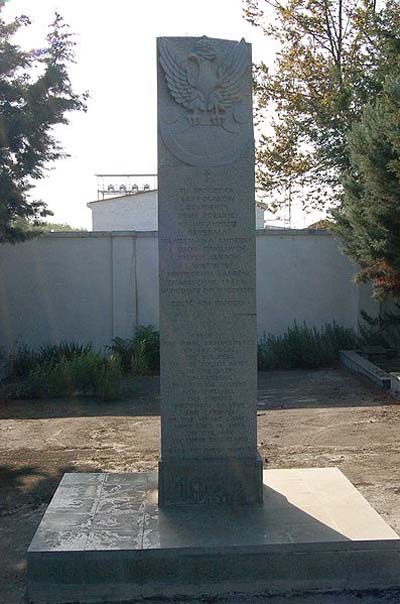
[
  {"x": 368, "y": 221},
  {"x": 35, "y": 95}
]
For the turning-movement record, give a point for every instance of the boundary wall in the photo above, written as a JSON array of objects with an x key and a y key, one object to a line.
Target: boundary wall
[{"x": 94, "y": 286}]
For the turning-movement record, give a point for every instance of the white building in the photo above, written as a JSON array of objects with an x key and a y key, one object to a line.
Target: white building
[
  {"x": 131, "y": 212},
  {"x": 136, "y": 212}
]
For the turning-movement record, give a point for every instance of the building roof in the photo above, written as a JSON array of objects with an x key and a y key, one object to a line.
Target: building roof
[{"x": 130, "y": 194}]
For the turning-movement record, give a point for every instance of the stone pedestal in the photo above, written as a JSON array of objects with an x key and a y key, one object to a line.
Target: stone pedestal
[
  {"x": 215, "y": 482},
  {"x": 104, "y": 538},
  {"x": 207, "y": 273}
]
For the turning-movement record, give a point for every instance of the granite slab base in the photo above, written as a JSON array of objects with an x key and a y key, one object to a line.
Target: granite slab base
[
  {"x": 103, "y": 538},
  {"x": 222, "y": 482}
]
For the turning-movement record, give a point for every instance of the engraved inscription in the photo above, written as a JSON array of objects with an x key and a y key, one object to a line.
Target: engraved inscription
[
  {"x": 207, "y": 272},
  {"x": 195, "y": 491}
]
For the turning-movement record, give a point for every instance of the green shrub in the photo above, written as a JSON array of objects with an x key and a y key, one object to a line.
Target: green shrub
[
  {"x": 24, "y": 360},
  {"x": 304, "y": 347},
  {"x": 16, "y": 390},
  {"x": 88, "y": 373},
  {"x": 54, "y": 353},
  {"x": 383, "y": 330},
  {"x": 70, "y": 369},
  {"x": 108, "y": 386},
  {"x": 140, "y": 354},
  {"x": 123, "y": 348},
  {"x": 146, "y": 353},
  {"x": 20, "y": 363}
]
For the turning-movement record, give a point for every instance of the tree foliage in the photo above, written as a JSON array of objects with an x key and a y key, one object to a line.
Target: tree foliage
[
  {"x": 35, "y": 95},
  {"x": 58, "y": 227},
  {"x": 331, "y": 60},
  {"x": 368, "y": 221},
  {"x": 44, "y": 227}
]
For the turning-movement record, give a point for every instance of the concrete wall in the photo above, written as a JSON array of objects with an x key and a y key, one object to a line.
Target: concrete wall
[
  {"x": 302, "y": 276},
  {"x": 91, "y": 287}
]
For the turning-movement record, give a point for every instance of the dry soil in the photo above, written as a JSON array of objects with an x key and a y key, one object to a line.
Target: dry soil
[{"x": 306, "y": 419}]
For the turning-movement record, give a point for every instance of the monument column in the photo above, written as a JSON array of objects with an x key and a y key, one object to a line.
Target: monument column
[{"x": 207, "y": 273}]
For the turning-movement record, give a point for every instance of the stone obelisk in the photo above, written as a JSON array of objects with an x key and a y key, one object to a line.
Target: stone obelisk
[{"x": 207, "y": 273}]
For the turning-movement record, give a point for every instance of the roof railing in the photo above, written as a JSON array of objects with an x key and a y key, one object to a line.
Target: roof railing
[{"x": 115, "y": 185}]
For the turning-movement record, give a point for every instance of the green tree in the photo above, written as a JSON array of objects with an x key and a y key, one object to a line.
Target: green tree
[
  {"x": 44, "y": 227},
  {"x": 331, "y": 60},
  {"x": 58, "y": 227},
  {"x": 368, "y": 220},
  {"x": 35, "y": 95}
]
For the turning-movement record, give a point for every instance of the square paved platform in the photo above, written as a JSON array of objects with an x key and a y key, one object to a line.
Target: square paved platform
[{"x": 103, "y": 538}]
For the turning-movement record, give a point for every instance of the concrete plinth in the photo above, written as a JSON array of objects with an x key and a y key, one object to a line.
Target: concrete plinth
[{"x": 104, "y": 538}]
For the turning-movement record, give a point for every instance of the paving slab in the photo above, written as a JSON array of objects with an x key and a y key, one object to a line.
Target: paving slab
[{"x": 104, "y": 538}]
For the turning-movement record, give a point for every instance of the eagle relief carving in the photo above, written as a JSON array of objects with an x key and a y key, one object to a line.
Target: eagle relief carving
[{"x": 205, "y": 116}]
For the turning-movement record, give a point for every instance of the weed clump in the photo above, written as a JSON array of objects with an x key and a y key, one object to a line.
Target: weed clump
[
  {"x": 303, "y": 347},
  {"x": 140, "y": 354},
  {"x": 63, "y": 370}
]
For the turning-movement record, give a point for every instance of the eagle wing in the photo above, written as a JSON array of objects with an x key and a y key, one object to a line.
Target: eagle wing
[
  {"x": 176, "y": 75},
  {"x": 231, "y": 77}
]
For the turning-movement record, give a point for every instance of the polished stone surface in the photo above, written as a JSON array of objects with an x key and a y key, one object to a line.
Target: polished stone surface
[{"x": 104, "y": 535}]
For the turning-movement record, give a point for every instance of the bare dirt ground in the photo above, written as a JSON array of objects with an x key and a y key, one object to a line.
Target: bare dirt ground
[{"x": 306, "y": 419}]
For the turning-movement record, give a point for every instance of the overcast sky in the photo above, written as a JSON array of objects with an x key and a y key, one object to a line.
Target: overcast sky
[{"x": 116, "y": 63}]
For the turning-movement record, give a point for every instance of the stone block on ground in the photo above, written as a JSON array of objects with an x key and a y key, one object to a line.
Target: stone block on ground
[{"x": 104, "y": 538}]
